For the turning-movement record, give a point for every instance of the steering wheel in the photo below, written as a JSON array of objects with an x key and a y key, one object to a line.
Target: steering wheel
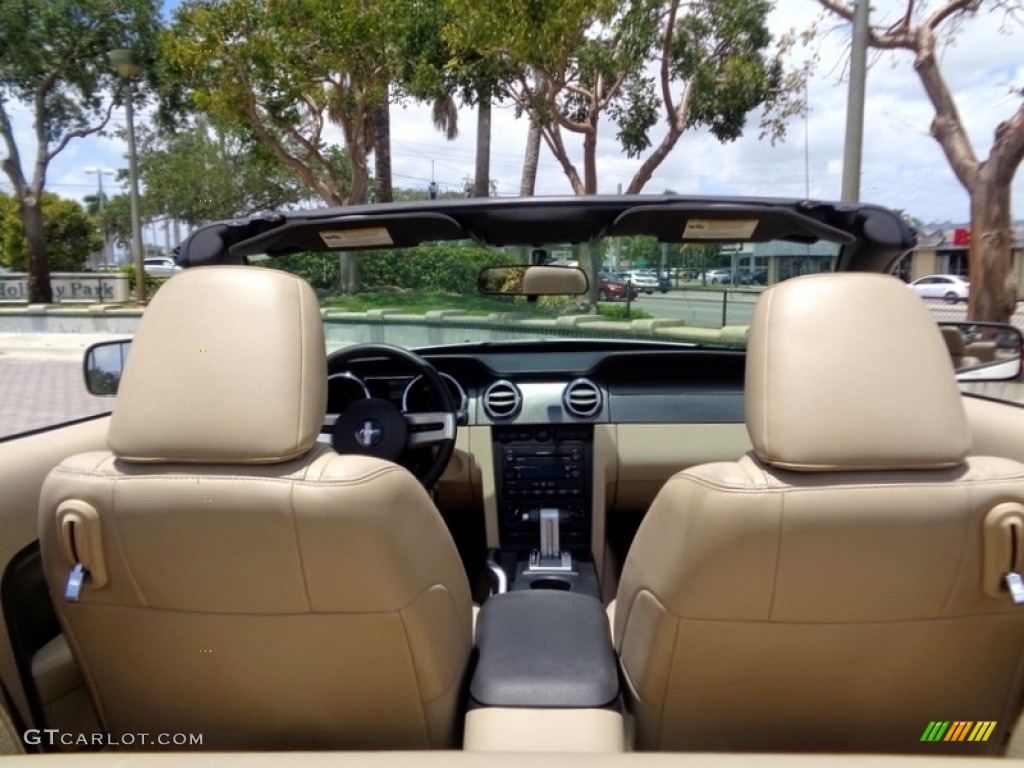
[{"x": 376, "y": 427}]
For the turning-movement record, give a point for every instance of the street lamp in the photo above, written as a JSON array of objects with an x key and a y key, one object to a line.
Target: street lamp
[
  {"x": 100, "y": 173},
  {"x": 127, "y": 65}
]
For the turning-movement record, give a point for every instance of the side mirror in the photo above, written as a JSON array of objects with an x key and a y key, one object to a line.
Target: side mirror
[
  {"x": 984, "y": 351},
  {"x": 103, "y": 365},
  {"x": 521, "y": 280}
]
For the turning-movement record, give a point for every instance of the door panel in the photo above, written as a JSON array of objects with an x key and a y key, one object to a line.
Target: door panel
[
  {"x": 24, "y": 464},
  {"x": 997, "y": 429}
]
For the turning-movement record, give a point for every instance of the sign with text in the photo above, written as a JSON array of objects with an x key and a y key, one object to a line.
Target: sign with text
[{"x": 71, "y": 287}]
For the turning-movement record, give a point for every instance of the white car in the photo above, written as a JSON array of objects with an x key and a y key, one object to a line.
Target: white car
[
  {"x": 642, "y": 282},
  {"x": 951, "y": 288},
  {"x": 161, "y": 267}
]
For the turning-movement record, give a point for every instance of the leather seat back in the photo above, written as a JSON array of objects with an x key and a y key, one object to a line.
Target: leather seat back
[
  {"x": 247, "y": 583},
  {"x": 839, "y": 588}
]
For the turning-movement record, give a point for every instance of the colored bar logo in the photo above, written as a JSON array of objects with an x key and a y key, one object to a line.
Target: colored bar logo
[{"x": 958, "y": 730}]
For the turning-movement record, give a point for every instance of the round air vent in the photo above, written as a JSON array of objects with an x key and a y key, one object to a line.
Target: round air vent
[
  {"x": 582, "y": 398},
  {"x": 502, "y": 400}
]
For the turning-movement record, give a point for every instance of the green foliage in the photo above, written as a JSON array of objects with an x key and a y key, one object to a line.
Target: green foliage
[
  {"x": 53, "y": 55},
  {"x": 54, "y": 60},
  {"x": 617, "y": 311},
  {"x": 199, "y": 175},
  {"x": 152, "y": 283},
  {"x": 320, "y": 270},
  {"x": 578, "y": 61},
  {"x": 70, "y": 233},
  {"x": 447, "y": 269},
  {"x": 117, "y": 219},
  {"x": 275, "y": 70}
]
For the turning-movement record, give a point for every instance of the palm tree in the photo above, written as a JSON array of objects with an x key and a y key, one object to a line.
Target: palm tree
[{"x": 445, "y": 114}]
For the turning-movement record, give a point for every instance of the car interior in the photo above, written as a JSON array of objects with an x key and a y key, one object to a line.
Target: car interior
[{"x": 587, "y": 549}]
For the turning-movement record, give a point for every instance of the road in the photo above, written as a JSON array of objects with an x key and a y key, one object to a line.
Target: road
[{"x": 702, "y": 309}]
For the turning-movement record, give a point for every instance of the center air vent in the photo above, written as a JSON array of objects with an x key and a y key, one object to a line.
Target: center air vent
[
  {"x": 502, "y": 400},
  {"x": 582, "y": 398}
]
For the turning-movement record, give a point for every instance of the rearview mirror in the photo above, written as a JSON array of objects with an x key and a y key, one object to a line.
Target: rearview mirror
[
  {"x": 521, "y": 280},
  {"x": 103, "y": 365},
  {"x": 983, "y": 351}
]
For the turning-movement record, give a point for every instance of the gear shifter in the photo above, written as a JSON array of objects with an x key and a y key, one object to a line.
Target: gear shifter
[{"x": 550, "y": 556}]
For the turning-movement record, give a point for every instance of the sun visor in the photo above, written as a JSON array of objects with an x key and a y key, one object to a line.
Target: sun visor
[
  {"x": 351, "y": 233},
  {"x": 724, "y": 223}
]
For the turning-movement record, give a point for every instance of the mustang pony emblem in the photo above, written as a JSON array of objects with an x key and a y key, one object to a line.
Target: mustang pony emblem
[{"x": 369, "y": 433}]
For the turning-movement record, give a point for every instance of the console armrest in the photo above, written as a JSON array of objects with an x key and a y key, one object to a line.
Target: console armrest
[{"x": 544, "y": 649}]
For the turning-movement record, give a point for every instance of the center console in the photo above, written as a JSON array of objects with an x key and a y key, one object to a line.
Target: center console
[
  {"x": 546, "y": 676},
  {"x": 543, "y": 479}
]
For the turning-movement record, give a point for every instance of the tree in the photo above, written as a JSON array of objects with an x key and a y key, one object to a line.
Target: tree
[
  {"x": 200, "y": 174},
  {"x": 116, "y": 219},
  {"x": 434, "y": 70},
  {"x": 70, "y": 234},
  {"x": 53, "y": 59},
  {"x": 593, "y": 59},
  {"x": 640, "y": 64},
  {"x": 285, "y": 72},
  {"x": 993, "y": 291}
]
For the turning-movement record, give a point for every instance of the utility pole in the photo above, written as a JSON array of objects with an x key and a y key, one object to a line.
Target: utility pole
[{"x": 853, "y": 147}]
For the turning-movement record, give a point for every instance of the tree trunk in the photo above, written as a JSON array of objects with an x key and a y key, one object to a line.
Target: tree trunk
[
  {"x": 39, "y": 291},
  {"x": 348, "y": 273},
  {"x": 530, "y": 161},
  {"x": 590, "y": 262},
  {"x": 993, "y": 288},
  {"x": 382, "y": 152},
  {"x": 482, "y": 183},
  {"x": 590, "y": 162}
]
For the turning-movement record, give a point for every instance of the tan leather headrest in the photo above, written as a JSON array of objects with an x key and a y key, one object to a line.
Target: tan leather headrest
[
  {"x": 850, "y": 371},
  {"x": 227, "y": 366}
]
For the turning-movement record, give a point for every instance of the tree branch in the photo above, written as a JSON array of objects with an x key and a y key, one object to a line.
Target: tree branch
[
  {"x": 666, "y": 56},
  {"x": 947, "y": 126},
  {"x": 11, "y": 163},
  {"x": 1008, "y": 150},
  {"x": 301, "y": 169},
  {"x": 956, "y": 6},
  {"x": 80, "y": 133}
]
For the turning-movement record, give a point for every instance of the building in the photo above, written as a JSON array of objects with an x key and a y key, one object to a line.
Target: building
[{"x": 942, "y": 249}]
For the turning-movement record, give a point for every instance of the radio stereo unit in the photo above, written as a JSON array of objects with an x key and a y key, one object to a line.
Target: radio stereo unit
[{"x": 543, "y": 468}]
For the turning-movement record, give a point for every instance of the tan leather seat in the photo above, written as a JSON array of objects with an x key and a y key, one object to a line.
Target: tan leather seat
[
  {"x": 957, "y": 348},
  {"x": 247, "y": 583},
  {"x": 839, "y": 588}
]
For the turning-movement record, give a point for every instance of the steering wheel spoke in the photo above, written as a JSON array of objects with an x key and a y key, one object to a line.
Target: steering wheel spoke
[{"x": 429, "y": 428}]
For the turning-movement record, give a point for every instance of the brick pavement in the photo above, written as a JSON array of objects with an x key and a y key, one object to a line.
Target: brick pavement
[{"x": 41, "y": 380}]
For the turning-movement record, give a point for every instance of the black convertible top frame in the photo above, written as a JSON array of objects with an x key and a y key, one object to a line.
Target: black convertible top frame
[{"x": 871, "y": 237}]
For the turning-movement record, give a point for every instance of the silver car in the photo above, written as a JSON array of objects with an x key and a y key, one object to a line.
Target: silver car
[{"x": 160, "y": 267}]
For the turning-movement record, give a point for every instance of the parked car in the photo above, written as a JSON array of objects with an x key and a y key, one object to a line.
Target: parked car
[
  {"x": 641, "y": 280},
  {"x": 160, "y": 267},
  {"x": 717, "y": 276},
  {"x": 753, "y": 277},
  {"x": 609, "y": 289},
  {"x": 794, "y": 538},
  {"x": 951, "y": 288}
]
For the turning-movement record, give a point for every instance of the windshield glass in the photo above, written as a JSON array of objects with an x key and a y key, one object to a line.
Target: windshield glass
[{"x": 427, "y": 296}]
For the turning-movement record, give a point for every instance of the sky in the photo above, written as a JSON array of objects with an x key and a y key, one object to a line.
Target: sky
[{"x": 902, "y": 167}]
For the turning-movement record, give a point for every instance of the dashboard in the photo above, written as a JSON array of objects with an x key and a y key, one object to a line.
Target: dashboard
[
  {"x": 556, "y": 382},
  {"x": 584, "y": 431}
]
